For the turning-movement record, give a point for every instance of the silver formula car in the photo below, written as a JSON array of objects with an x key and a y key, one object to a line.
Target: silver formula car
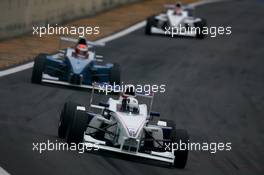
[
  {"x": 173, "y": 23},
  {"x": 124, "y": 126}
]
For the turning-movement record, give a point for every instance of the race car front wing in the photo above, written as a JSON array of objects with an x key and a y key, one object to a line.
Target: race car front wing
[{"x": 167, "y": 157}]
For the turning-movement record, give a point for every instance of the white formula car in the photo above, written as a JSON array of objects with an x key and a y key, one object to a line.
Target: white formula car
[
  {"x": 124, "y": 126},
  {"x": 176, "y": 24}
]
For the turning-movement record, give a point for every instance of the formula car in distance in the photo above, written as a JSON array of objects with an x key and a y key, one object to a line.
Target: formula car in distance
[
  {"x": 75, "y": 66},
  {"x": 177, "y": 20},
  {"x": 124, "y": 126}
]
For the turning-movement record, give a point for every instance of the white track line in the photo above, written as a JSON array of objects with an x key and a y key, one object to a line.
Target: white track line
[
  {"x": 123, "y": 33},
  {"x": 203, "y": 2},
  {"x": 103, "y": 40},
  {"x": 16, "y": 69},
  {"x": 3, "y": 172}
]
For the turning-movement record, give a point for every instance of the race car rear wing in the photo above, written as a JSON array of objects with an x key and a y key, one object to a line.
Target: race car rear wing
[
  {"x": 100, "y": 87},
  {"x": 172, "y": 6},
  {"x": 188, "y": 8},
  {"x": 169, "y": 6},
  {"x": 149, "y": 95},
  {"x": 105, "y": 87},
  {"x": 74, "y": 40}
]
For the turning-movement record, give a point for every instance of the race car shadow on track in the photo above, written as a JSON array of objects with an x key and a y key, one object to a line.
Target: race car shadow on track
[
  {"x": 89, "y": 90},
  {"x": 130, "y": 158},
  {"x": 176, "y": 37},
  {"x": 120, "y": 156}
]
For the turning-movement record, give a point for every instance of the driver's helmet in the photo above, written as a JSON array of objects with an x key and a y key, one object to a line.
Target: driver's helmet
[
  {"x": 132, "y": 105},
  {"x": 178, "y": 7},
  {"x": 81, "y": 49}
]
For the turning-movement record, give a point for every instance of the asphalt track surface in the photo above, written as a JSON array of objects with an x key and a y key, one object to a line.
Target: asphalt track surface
[{"x": 215, "y": 90}]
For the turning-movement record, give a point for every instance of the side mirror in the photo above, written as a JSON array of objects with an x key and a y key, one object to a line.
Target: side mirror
[
  {"x": 99, "y": 60},
  {"x": 99, "y": 56},
  {"x": 154, "y": 114},
  {"x": 104, "y": 105},
  {"x": 62, "y": 51}
]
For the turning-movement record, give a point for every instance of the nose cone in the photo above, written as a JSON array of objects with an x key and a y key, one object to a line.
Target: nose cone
[
  {"x": 78, "y": 65},
  {"x": 132, "y": 123}
]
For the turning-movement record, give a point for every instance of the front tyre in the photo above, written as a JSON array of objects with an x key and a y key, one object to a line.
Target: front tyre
[
  {"x": 200, "y": 25},
  {"x": 76, "y": 129},
  {"x": 39, "y": 66},
  {"x": 150, "y": 23},
  {"x": 180, "y": 136},
  {"x": 66, "y": 116}
]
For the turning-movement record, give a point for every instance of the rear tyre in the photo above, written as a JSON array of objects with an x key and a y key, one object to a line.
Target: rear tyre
[
  {"x": 180, "y": 136},
  {"x": 77, "y": 127},
  {"x": 200, "y": 25},
  {"x": 66, "y": 118},
  {"x": 39, "y": 65},
  {"x": 150, "y": 23},
  {"x": 115, "y": 75}
]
